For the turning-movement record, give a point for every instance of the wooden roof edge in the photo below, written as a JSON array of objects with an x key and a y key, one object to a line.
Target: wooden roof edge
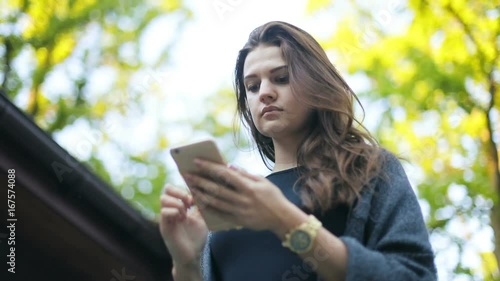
[{"x": 56, "y": 160}]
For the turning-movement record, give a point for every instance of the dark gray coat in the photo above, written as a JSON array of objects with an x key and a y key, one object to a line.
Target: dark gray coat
[{"x": 385, "y": 235}]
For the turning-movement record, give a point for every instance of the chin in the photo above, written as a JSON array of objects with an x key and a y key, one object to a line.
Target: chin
[{"x": 273, "y": 132}]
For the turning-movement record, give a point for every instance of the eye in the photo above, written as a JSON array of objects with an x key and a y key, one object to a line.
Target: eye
[
  {"x": 281, "y": 79},
  {"x": 252, "y": 88}
]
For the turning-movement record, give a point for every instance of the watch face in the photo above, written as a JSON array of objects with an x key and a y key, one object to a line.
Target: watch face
[{"x": 300, "y": 240}]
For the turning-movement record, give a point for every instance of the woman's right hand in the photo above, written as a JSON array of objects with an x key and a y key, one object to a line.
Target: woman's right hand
[{"x": 182, "y": 227}]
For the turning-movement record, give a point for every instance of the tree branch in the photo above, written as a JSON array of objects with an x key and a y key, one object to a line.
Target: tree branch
[
  {"x": 495, "y": 211},
  {"x": 469, "y": 34},
  {"x": 493, "y": 146},
  {"x": 8, "y": 51},
  {"x": 44, "y": 67}
]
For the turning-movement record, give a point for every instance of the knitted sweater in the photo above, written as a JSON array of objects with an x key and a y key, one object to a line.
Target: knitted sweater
[{"x": 385, "y": 236}]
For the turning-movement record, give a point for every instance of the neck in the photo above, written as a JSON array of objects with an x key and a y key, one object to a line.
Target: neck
[{"x": 285, "y": 154}]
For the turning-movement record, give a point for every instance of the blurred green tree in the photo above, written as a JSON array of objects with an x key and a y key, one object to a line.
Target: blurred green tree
[
  {"x": 434, "y": 68},
  {"x": 48, "y": 52}
]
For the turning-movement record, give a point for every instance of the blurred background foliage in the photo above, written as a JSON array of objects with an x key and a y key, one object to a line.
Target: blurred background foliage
[
  {"x": 65, "y": 42},
  {"x": 432, "y": 69},
  {"x": 438, "y": 80}
]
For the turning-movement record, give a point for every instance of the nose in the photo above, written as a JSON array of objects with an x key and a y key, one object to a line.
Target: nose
[{"x": 267, "y": 93}]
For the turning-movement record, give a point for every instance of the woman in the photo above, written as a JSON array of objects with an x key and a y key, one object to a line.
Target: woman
[{"x": 335, "y": 207}]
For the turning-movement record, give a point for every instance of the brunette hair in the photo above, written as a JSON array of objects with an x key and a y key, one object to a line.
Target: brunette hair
[{"x": 339, "y": 156}]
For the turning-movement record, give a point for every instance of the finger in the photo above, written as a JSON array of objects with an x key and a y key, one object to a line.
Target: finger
[
  {"x": 210, "y": 202},
  {"x": 174, "y": 190},
  {"x": 243, "y": 172},
  {"x": 224, "y": 216},
  {"x": 178, "y": 193},
  {"x": 172, "y": 202},
  {"x": 171, "y": 215},
  {"x": 208, "y": 186},
  {"x": 235, "y": 168},
  {"x": 200, "y": 199},
  {"x": 220, "y": 173},
  {"x": 167, "y": 187}
]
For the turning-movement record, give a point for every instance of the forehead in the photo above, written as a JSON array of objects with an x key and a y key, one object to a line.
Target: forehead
[{"x": 262, "y": 59}]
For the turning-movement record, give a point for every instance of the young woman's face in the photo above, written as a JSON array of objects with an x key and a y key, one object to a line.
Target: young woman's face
[{"x": 275, "y": 111}]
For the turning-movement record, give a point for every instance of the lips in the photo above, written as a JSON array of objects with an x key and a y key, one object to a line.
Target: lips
[{"x": 270, "y": 109}]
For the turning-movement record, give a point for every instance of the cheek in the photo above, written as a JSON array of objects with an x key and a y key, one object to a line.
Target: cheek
[{"x": 253, "y": 107}]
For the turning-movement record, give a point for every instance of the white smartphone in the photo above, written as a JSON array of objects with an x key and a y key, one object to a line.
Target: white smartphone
[{"x": 184, "y": 157}]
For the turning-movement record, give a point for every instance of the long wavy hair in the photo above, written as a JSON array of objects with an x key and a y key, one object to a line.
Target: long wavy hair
[{"x": 339, "y": 157}]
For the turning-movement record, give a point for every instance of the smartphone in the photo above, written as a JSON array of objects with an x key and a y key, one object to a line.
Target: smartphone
[{"x": 184, "y": 157}]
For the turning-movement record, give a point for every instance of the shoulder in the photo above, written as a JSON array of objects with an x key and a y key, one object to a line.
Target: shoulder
[
  {"x": 390, "y": 162},
  {"x": 388, "y": 188},
  {"x": 390, "y": 191},
  {"x": 393, "y": 195},
  {"x": 391, "y": 174}
]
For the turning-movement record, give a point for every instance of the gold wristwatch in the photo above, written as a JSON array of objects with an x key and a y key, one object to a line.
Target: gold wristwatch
[{"x": 301, "y": 239}]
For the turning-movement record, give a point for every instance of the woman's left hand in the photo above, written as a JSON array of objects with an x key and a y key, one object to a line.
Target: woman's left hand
[{"x": 237, "y": 196}]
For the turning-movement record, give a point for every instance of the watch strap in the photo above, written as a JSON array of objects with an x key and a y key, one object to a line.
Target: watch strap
[{"x": 310, "y": 227}]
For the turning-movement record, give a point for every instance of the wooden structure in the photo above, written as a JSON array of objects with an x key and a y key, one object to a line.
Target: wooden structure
[{"x": 70, "y": 224}]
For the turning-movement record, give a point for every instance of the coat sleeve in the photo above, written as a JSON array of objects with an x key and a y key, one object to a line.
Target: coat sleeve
[
  {"x": 395, "y": 242},
  {"x": 207, "y": 272}
]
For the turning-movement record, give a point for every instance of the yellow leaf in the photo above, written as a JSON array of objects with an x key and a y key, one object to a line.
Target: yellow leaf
[
  {"x": 41, "y": 54},
  {"x": 61, "y": 9},
  {"x": 63, "y": 48},
  {"x": 347, "y": 42},
  {"x": 82, "y": 5},
  {"x": 163, "y": 142},
  {"x": 315, "y": 5},
  {"x": 421, "y": 90},
  {"x": 100, "y": 109},
  {"x": 13, "y": 4},
  {"x": 39, "y": 15},
  {"x": 171, "y": 5},
  {"x": 489, "y": 265},
  {"x": 474, "y": 123}
]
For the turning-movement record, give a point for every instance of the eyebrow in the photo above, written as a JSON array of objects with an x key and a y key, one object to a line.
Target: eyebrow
[{"x": 271, "y": 71}]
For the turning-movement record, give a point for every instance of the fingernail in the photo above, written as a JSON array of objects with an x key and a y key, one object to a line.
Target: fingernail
[{"x": 197, "y": 162}]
